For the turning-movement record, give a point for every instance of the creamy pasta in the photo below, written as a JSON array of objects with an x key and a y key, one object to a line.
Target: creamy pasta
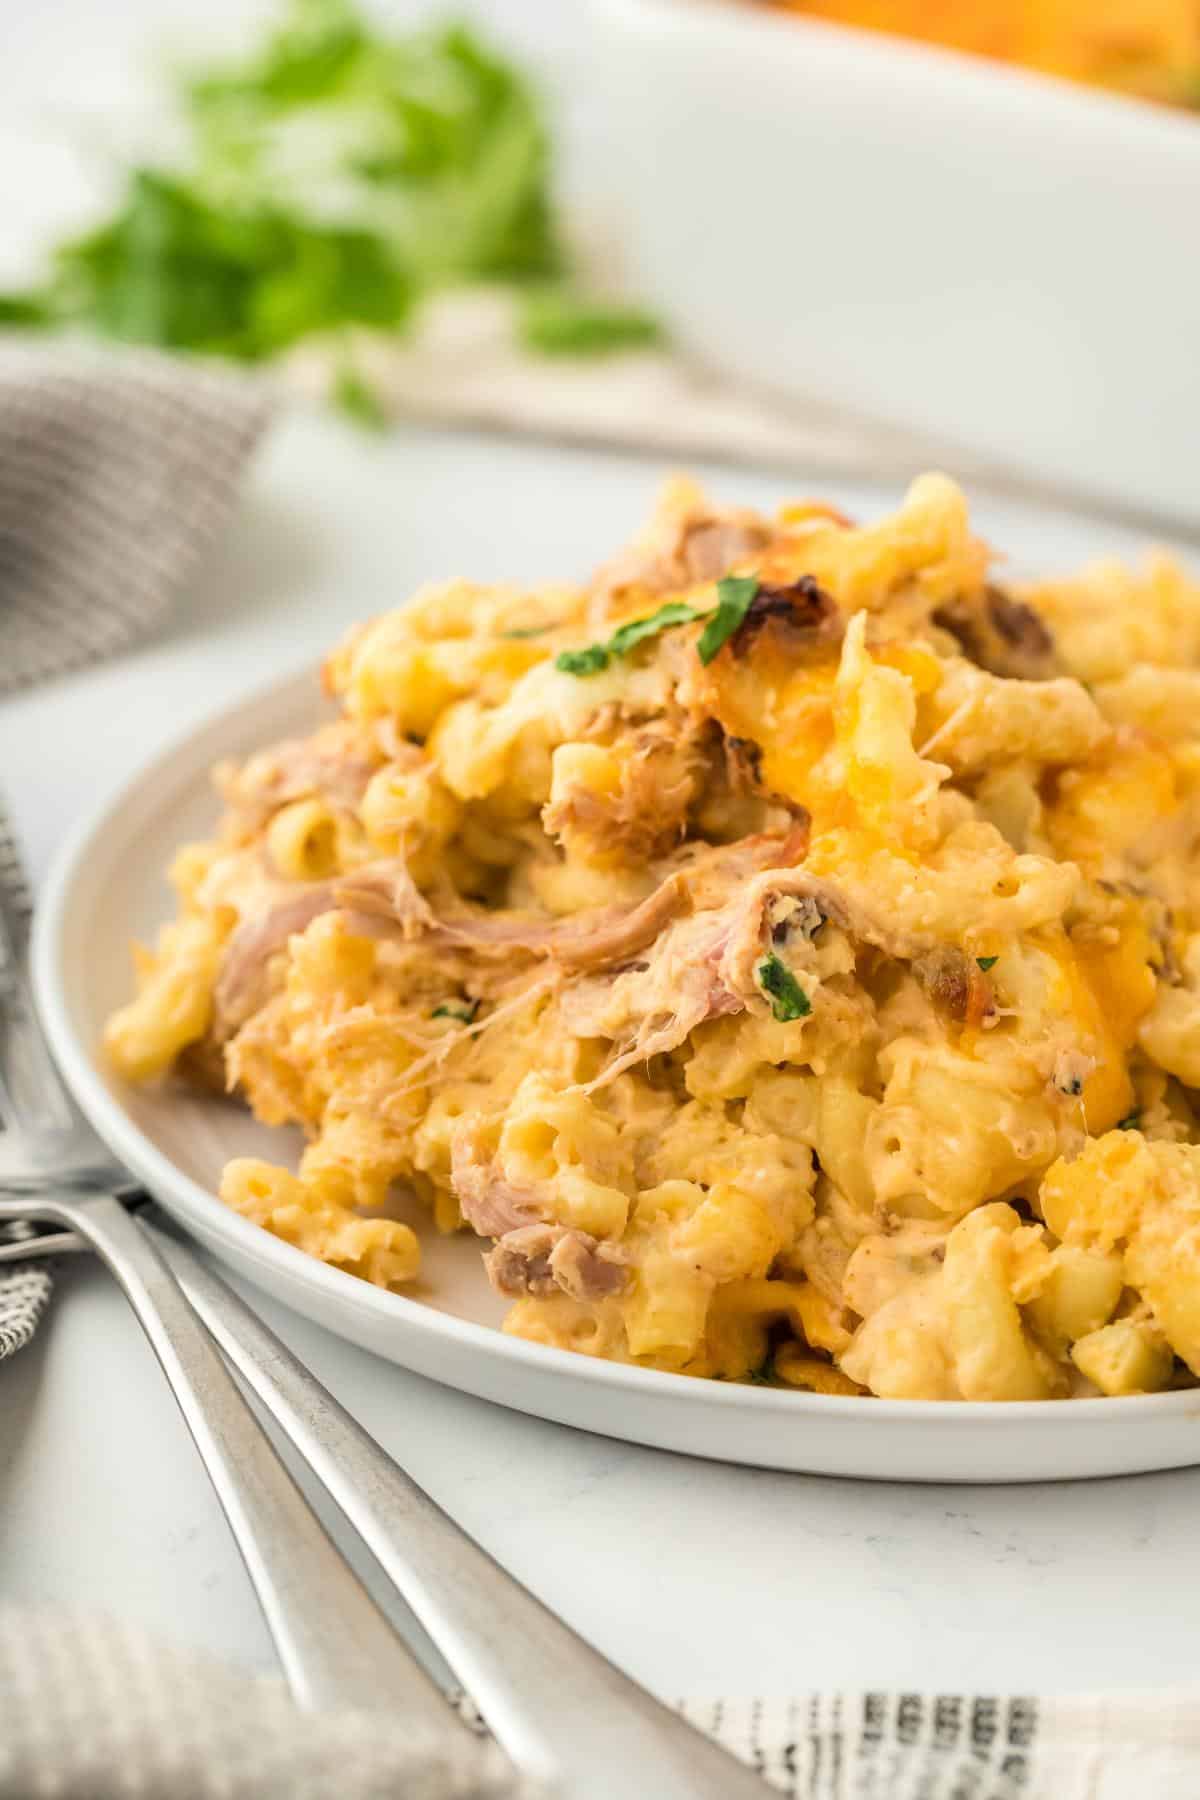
[{"x": 782, "y": 951}]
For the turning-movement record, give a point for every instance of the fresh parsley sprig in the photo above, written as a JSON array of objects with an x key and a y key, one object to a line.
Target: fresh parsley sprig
[
  {"x": 788, "y": 999},
  {"x": 734, "y": 594},
  {"x": 463, "y": 1011},
  {"x": 764, "y": 1375},
  {"x": 589, "y": 661},
  {"x": 560, "y": 322},
  {"x": 626, "y": 638}
]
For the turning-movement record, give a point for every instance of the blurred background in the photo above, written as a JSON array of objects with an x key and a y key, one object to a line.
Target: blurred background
[
  {"x": 81, "y": 81},
  {"x": 858, "y": 233}
]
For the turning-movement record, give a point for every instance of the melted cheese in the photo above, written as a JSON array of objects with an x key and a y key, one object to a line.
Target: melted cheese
[{"x": 1108, "y": 990}]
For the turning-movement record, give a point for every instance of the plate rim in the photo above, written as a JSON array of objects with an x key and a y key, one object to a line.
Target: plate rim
[{"x": 192, "y": 1202}]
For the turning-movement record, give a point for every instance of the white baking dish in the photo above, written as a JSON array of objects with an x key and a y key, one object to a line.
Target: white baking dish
[{"x": 1000, "y": 260}]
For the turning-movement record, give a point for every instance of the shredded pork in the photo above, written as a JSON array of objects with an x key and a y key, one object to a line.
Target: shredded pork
[{"x": 530, "y": 1256}]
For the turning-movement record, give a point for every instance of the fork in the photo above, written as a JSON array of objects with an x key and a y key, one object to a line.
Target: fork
[
  {"x": 562, "y": 1711},
  {"x": 328, "y": 1632}
]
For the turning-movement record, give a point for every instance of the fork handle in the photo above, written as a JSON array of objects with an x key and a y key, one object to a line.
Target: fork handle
[
  {"x": 335, "y": 1646},
  {"x": 559, "y": 1708}
]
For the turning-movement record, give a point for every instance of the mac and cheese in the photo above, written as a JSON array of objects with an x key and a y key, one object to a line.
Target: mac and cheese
[{"x": 784, "y": 952}]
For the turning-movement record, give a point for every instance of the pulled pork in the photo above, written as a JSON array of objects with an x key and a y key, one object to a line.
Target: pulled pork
[
  {"x": 530, "y": 1256},
  {"x": 1000, "y": 634}
]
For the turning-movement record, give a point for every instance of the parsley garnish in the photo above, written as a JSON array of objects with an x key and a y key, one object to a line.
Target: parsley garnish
[
  {"x": 583, "y": 662},
  {"x": 788, "y": 998},
  {"x": 765, "y": 1372},
  {"x": 526, "y": 631},
  {"x": 1130, "y": 1122},
  {"x": 560, "y": 323},
  {"x": 464, "y": 1012},
  {"x": 28, "y": 310},
  {"x": 986, "y": 962},
  {"x": 357, "y": 399},
  {"x": 734, "y": 595},
  {"x": 626, "y": 638},
  {"x": 235, "y": 270}
]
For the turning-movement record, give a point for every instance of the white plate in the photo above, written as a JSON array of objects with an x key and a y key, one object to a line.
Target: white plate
[{"x": 108, "y": 886}]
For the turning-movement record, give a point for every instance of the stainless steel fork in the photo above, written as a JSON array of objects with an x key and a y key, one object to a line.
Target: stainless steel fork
[
  {"x": 335, "y": 1645},
  {"x": 563, "y": 1712}
]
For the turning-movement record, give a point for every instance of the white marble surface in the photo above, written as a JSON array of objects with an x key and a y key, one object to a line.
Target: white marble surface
[{"x": 696, "y": 1577}]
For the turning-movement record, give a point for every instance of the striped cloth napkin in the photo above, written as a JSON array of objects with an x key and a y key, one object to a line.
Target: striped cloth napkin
[
  {"x": 95, "y": 1710},
  {"x": 115, "y": 471},
  {"x": 24, "y": 1297}
]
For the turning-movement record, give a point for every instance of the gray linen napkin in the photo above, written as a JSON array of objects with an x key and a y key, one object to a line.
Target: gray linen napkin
[
  {"x": 94, "y": 1710},
  {"x": 116, "y": 469}
]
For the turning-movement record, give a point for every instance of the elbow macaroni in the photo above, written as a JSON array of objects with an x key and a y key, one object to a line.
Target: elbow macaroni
[{"x": 824, "y": 1008}]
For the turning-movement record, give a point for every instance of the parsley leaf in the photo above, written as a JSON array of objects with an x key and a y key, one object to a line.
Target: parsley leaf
[
  {"x": 765, "y": 1372},
  {"x": 28, "y": 310},
  {"x": 1130, "y": 1122},
  {"x": 589, "y": 661},
  {"x": 237, "y": 277},
  {"x": 626, "y": 639},
  {"x": 986, "y": 962},
  {"x": 463, "y": 1011},
  {"x": 734, "y": 595},
  {"x": 561, "y": 323},
  {"x": 788, "y": 999},
  {"x": 357, "y": 399}
]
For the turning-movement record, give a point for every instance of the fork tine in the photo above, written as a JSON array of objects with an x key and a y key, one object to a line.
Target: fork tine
[
  {"x": 17, "y": 902},
  {"x": 31, "y": 1249},
  {"x": 31, "y": 1091},
  {"x": 44, "y": 1137}
]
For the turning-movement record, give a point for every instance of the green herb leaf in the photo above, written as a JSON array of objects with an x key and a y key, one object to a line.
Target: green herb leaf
[
  {"x": 562, "y": 323},
  {"x": 734, "y": 595},
  {"x": 765, "y": 1372},
  {"x": 986, "y": 962},
  {"x": 589, "y": 661},
  {"x": 304, "y": 59},
  {"x": 182, "y": 269},
  {"x": 788, "y": 999},
  {"x": 626, "y": 638},
  {"x": 357, "y": 399},
  {"x": 527, "y": 631},
  {"x": 29, "y": 310},
  {"x": 463, "y": 1011},
  {"x": 1130, "y": 1122}
]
